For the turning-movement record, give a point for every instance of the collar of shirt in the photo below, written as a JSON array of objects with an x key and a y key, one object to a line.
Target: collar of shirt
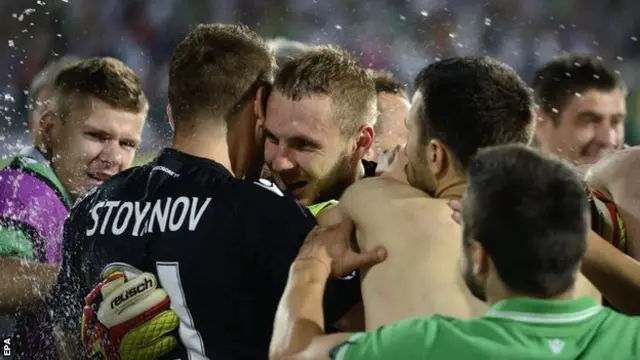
[
  {"x": 35, "y": 154},
  {"x": 172, "y": 159},
  {"x": 545, "y": 311}
]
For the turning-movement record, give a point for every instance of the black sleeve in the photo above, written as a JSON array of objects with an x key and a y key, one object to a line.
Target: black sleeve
[
  {"x": 285, "y": 224},
  {"x": 67, "y": 298}
]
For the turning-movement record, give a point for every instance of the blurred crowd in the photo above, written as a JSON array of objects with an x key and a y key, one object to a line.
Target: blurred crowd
[{"x": 399, "y": 35}]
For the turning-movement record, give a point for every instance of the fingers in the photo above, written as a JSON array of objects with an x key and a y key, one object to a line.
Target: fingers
[
  {"x": 154, "y": 329},
  {"x": 455, "y": 205},
  {"x": 354, "y": 261}
]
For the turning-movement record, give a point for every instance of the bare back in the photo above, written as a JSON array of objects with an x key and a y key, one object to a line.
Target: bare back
[{"x": 421, "y": 275}]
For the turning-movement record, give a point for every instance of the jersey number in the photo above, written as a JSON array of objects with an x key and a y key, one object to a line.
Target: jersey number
[{"x": 169, "y": 277}]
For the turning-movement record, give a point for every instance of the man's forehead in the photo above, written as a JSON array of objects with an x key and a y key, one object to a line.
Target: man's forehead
[
  {"x": 310, "y": 115},
  {"x": 103, "y": 117},
  {"x": 601, "y": 102}
]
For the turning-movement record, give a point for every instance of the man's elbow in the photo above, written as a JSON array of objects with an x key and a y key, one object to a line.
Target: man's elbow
[{"x": 277, "y": 353}]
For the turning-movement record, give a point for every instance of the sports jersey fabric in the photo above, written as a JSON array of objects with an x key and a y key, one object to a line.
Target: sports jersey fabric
[
  {"x": 33, "y": 207},
  {"x": 221, "y": 248},
  {"x": 606, "y": 220},
  {"x": 511, "y": 330}
]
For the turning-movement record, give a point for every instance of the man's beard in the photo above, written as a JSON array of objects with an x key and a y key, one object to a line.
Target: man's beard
[{"x": 332, "y": 185}]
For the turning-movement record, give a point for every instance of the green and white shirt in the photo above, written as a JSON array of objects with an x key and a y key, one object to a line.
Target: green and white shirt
[{"x": 512, "y": 329}]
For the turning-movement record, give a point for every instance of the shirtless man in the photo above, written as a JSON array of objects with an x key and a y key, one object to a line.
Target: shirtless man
[
  {"x": 615, "y": 178},
  {"x": 420, "y": 277}
]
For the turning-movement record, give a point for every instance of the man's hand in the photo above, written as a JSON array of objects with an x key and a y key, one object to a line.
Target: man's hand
[
  {"x": 455, "y": 205},
  {"x": 128, "y": 317},
  {"x": 331, "y": 246}
]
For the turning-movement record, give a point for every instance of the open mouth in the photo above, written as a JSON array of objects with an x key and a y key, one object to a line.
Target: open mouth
[
  {"x": 295, "y": 187},
  {"x": 98, "y": 176}
]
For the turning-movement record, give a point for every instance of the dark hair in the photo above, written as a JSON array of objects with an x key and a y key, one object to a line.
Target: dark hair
[
  {"x": 104, "y": 78},
  {"x": 530, "y": 213},
  {"x": 559, "y": 80},
  {"x": 332, "y": 71},
  {"x": 215, "y": 70},
  {"x": 474, "y": 102}
]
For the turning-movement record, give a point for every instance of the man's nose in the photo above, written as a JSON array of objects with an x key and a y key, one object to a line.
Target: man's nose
[
  {"x": 111, "y": 153},
  {"x": 282, "y": 160},
  {"x": 607, "y": 134}
]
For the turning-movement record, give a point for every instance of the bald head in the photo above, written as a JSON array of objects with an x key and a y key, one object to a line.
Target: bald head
[
  {"x": 40, "y": 90},
  {"x": 393, "y": 106}
]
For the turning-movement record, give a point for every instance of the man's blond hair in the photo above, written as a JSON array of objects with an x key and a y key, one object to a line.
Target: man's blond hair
[
  {"x": 104, "y": 78},
  {"x": 334, "y": 72},
  {"x": 215, "y": 70}
]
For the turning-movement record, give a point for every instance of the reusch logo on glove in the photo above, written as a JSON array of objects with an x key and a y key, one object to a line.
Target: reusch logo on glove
[{"x": 147, "y": 284}]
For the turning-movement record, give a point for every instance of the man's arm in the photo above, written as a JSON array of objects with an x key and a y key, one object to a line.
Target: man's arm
[
  {"x": 615, "y": 274},
  {"x": 298, "y": 329},
  {"x": 26, "y": 285},
  {"x": 299, "y": 323},
  {"x": 617, "y": 176}
]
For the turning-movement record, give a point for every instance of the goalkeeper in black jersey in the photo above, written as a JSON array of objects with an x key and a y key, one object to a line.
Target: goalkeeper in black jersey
[{"x": 188, "y": 233}]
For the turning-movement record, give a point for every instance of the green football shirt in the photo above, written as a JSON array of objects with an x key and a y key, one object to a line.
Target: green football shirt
[{"x": 512, "y": 329}]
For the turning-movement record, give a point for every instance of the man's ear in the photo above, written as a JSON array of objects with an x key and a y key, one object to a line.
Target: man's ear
[
  {"x": 170, "y": 117},
  {"x": 479, "y": 260},
  {"x": 260, "y": 104},
  {"x": 364, "y": 141},
  {"x": 438, "y": 158},
  {"x": 48, "y": 130},
  {"x": 544, "y": 124}
]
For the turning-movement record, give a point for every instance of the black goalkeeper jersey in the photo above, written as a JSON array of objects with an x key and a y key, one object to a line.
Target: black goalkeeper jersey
[{"x": 220, "y": 247}]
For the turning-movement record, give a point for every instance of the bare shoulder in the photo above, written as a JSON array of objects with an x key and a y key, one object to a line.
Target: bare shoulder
[
  {"x": 378, "y": 189},
  {"x": 622, "y": 166}
]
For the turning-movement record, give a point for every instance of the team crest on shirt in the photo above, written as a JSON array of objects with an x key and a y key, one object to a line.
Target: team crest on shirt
[
  {"x": 266, "y": 184},
  {"x": 556, "y": 346}
]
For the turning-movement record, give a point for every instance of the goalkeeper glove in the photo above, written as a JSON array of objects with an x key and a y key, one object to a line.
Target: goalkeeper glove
[{"x": 127, "y": 317}]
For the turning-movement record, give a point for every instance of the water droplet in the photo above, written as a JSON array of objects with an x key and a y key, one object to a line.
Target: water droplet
[
  {"x": 578, "y": 94},
  {"x": 596, "y": 76},
  {"x": 633, "y": 38},
  {"x": 487, "y": 21},
  {"x": 619, "y": 58},
  {"x": 338, "y": 27},
  {"x": 554, "y": 110},
  {"x": 59, "y": 35},
  {"x": 11, "y": 43},
  {"x": 452, "y": 35},
  {"x": 424, "y": 13},
  {"x": 403, "y": 18}
]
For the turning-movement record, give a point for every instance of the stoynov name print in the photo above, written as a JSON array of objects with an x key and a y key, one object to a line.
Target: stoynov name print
[{"x": 140, "y": 217}]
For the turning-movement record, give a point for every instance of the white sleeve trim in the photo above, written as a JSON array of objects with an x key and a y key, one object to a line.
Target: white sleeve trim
[{"x": 266, "y": 184}]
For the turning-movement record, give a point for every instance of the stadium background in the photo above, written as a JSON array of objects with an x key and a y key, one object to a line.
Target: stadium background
[{"x": 401, "y": 35}]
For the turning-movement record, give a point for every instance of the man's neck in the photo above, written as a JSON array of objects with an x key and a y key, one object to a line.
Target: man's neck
[
  {"x": 212, "y": 147},
  {"x": 497, "y": 291},
  {"x": 452, "y": 190}
]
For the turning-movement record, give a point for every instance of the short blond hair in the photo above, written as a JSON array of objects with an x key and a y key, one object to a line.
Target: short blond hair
[
  {"x": 215, "y": 70},
  {"x": 104, "y": 78},
  {"x": 332, "y": 71}
]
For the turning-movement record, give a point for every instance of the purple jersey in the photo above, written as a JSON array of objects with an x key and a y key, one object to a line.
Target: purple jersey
[{"x": 33, "y": 208}]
